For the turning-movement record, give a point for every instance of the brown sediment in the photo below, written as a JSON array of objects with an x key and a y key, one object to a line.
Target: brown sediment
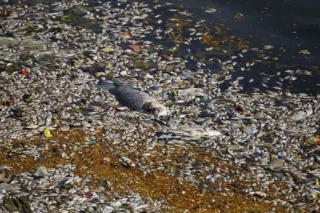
[{"x": 101, "y": 160}]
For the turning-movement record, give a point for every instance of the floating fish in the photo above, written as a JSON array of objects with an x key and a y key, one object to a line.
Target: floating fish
[
  {"x": 134, "y": 99},
  {"x": 42, "y": 172},
  {"x": 195, "y": 132}
]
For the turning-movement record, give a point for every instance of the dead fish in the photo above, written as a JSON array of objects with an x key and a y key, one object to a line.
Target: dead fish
[
  {"x": 195, "y": 132},
  {"x": 134, "y": 99},
  {"x": 42, "y": 172},
  {"x": 191, "y": 92}
]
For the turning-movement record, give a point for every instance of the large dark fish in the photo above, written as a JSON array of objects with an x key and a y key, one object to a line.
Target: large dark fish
[{"x": 134, "y": 99}]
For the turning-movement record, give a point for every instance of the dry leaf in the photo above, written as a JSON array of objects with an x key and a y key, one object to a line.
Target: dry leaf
[
  {"x": 127, "y": 33},
  {"x": 169, "y": 67},
  {"x": 306, "y": 52},
  {"x": 181, "y": 83},
  {"x": 167, "y": 56},
  {"x": 239, "y": 108},
  {"x": 116, "y": 107},
  {"x": 135, "y": 47},
  {"x": 238, "y": 16}
]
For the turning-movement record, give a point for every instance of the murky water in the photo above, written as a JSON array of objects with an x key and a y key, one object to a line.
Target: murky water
[
  {"x": 291, "y": 26},
  {"x": 250, "y": 152}
]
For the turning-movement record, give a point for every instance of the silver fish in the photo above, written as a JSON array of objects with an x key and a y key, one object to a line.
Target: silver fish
[{"x": 134, "y": 99}]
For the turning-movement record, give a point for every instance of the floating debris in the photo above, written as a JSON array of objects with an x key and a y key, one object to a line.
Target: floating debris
[
  {"x": 135, "y": 47},
  {"x": 214, "y": 136},
  {"x": 305, "y": 52},
  {"x": 47, "y": 133},
  {"x": 90, "y": 143},
  {"x": 210, "y": 10}
]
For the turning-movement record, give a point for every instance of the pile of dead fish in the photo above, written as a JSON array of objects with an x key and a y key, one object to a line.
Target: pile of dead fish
[{"x": 50, "y": 71}]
